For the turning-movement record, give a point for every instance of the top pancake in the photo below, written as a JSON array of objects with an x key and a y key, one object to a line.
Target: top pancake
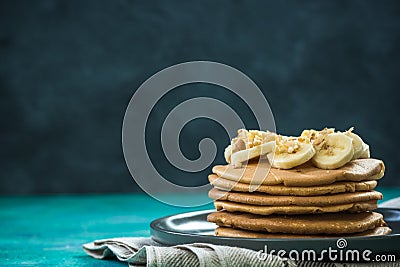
[
  {"x": 281, "y": 190},
  {"x": 303, "y": 175}
]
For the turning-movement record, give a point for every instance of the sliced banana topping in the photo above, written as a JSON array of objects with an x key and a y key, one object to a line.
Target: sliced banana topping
[
  {"x": 365, "y": 152},
  {"x": 248, "y": 145},
  {"x": 357, "y": 143},
  {"x": 290, "y": 152},
  {"x": 327, "y": 148},
  {"x": 228, "y": 153},
  {"x": 241, "y": 156},
  {"x": 333, "y": 151}
]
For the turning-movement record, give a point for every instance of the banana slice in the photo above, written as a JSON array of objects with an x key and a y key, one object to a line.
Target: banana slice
[
  {"x": 357, "y": 143},
  {"x": 244, "y": 155},
  {"x": 334, "y": 151},
  {"x": 365, "y": 154},
  {"x": 291, "y": 153},
  {"x": 228, "y": 153},
  {"x": 249, "y": 144}
]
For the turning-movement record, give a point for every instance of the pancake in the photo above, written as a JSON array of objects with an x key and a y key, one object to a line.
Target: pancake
[
  {"x": 303, "y": 175},
  {"x": 269, "y": 200},
  {"x": 267, "y": 210},
  {"x": 237, "y": 233},
  {"x": 326, "y": 223},
  {"x": 281, "y": 190}
]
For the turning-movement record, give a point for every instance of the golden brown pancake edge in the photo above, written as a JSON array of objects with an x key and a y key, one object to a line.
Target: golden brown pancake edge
[
  {"x": 303, "y": 175},
  {"x": 267, "y": 210},
  {"x": 325, "y": 223},
  {"x": 281, "y": 190},
  {"x": 261, "y": 199}
]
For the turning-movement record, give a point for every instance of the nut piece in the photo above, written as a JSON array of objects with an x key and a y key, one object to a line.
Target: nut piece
[
  {"x": 315, "y": 137},
  {"x": 287, "y": 144}
]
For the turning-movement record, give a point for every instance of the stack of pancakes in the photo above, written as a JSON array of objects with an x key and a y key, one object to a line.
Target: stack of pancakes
[{"x": 301, "y": 202}]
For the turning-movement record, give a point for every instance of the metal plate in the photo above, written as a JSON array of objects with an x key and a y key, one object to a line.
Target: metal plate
[{"x": 193, "y": 227}]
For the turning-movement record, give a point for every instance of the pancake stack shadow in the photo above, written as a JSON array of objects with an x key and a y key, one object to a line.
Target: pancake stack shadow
[{"x": 302, "y": 202}]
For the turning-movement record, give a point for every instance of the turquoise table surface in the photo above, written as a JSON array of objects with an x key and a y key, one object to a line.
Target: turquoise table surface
[{"x": 50, "y": 230}]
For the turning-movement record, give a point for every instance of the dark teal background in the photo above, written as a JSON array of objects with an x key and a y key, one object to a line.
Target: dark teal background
[{"x": 69, "y": 68}]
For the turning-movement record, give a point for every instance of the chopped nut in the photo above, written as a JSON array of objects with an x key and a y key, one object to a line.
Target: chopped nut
[{"x": 285, "y": 144}]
